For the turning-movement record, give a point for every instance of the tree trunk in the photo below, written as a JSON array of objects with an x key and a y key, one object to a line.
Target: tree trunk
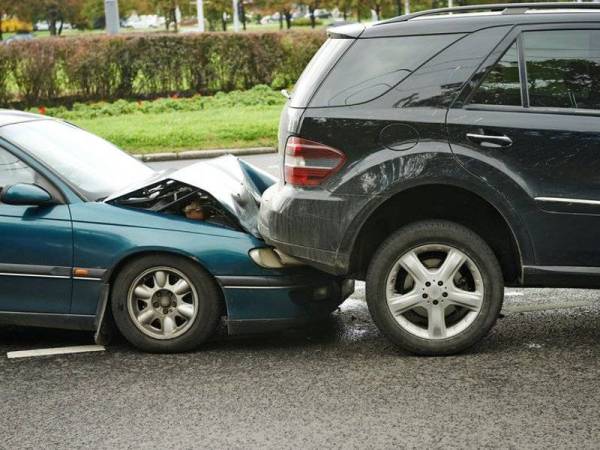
[
  {"x": 1, "y": 35},
  {"x": 399, "y": 7},
  {"x": 378, "y": 11},
  {"x": 52, "y": 25},
  {"x": 243, "y": 15},
  {"x": 60, "y": 28},
  {"x": 174, "y": 16},
  {"x": 345, "y": 13},
  {"x": 281, "y": 20},
  {"x": 311, "y": 13},
  {"x": 288, "y": 19},
  {"x": 223, "y": 22}
]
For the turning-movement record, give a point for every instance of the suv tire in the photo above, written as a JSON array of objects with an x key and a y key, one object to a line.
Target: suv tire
[{"x": 432, "y": 315}]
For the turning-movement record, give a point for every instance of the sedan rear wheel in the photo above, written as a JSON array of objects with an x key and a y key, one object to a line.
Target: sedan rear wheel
[{"x": 165, "y": 303}]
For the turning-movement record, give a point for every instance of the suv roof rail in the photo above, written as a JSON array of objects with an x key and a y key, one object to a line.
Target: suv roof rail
[{"x": 506, "y": 8}]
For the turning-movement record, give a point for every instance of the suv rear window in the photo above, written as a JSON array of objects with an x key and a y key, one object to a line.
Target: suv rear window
[
  {"x": 371, "y": 67},
  {"x": 316, "y": 69}
]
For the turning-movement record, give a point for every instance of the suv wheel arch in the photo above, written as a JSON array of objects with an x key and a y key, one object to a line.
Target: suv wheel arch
[{"x": 443, "y": 202}]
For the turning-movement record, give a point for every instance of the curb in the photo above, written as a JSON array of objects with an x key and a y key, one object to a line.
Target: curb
[{"x": 202, "y": 154}]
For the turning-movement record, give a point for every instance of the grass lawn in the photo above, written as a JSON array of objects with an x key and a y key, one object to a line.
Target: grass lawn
[{"x": 235, "y": 127}]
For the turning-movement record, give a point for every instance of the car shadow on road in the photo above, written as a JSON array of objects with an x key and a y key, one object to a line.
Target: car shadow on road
[{"x": 352, "y": 330}]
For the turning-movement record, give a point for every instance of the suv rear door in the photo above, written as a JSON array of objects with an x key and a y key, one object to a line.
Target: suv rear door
[{"x": 529, "y": 122}]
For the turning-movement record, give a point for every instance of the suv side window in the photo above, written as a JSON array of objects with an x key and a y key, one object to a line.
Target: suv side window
[
  {"x": 563, "y": 68},
  {"x": 502, "y": 85},
  {"x": 13, "y": 170}
]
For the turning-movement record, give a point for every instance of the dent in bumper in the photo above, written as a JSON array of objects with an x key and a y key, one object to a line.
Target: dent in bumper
[{"x": 310, "y": 224}]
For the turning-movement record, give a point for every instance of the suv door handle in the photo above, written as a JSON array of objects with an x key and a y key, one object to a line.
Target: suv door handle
[{"x": 490, "y": 140}]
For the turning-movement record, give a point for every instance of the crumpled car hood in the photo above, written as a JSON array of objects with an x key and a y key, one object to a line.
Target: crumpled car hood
[{"x": 235, "y": 184}]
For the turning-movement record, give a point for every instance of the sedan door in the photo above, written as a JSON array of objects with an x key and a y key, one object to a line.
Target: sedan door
[
  {"x": 531, "y": 120},
  {"x": 36, "y": 247}
]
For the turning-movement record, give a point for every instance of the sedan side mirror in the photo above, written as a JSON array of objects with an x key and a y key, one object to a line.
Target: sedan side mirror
[{"x": 26, "y": 195}]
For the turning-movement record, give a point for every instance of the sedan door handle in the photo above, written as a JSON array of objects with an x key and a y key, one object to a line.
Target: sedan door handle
[{"x": 490, "y": 140}]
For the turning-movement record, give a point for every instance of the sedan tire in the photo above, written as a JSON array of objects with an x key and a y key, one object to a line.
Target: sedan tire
[
  {"x": 165, "y": 304},
  {"x": 434, "y": 288}
]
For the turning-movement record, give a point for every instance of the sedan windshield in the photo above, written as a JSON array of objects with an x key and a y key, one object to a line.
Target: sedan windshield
[{"x": 93, "y": 166}]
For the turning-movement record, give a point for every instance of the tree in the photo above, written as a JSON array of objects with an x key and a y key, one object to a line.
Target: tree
[
  {"x": 346, "y": 7},
  {"x": 217, "y": 11},
  {"x": 7, "y": 8},
  {"x": 282, "y": 7},
  {"x": 55, "y": 12},
  {"x": 93, "y": 10},
  {"x": 378, "y": 6},
  {"x": 168, "y": 9}
]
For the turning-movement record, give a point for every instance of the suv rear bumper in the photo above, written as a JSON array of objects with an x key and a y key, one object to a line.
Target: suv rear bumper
[{"x": 310, "y": 225}]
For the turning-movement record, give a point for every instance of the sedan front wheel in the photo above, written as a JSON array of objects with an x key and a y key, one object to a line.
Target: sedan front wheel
[{"x": 164, "y": 303}]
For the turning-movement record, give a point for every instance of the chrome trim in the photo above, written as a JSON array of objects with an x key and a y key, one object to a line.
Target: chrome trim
[
  {"x": 87, "y": 278},
  {"x": 567, "y": 200},
  {"x": 490, "y": 138},
  {"x": 33, "y": 275}
]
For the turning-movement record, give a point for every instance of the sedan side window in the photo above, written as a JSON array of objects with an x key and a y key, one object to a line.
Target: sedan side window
[
  {"x": 563, "y": 68},
  {"x": 502, "y": 85},
  {"x": 13, "y": 170}
]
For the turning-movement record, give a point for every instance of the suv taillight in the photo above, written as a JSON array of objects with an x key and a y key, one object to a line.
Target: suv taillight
[{"x": 308, "y": 163}]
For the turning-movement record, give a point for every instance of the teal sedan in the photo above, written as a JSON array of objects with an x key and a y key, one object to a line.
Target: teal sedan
[{"x": 91, "y": 236}]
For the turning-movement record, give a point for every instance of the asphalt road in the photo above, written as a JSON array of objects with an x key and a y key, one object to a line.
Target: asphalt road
[{"x": 533, "y": 382}]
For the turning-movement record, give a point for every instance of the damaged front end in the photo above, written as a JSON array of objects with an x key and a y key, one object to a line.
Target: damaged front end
[{"x": 224, "y": 191}]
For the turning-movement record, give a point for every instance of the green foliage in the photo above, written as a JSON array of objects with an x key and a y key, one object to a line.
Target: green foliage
[
  {"x": 257, "y": 97},
  {"x": 305, "y": 22},
  {"x": 52, "y": 71}
]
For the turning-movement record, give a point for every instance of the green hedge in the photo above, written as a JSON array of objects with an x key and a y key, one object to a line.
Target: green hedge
[{"x": 61, "y": 71}]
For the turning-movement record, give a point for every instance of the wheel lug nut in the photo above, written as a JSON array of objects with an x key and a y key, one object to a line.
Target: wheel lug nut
[
  {"x": 435, "y": 302},
  {"x": 428, "y": 284},
  {"x": 440, "y": 283},
  {"x": 165, "y": 310},
  {"x": 445, "y": 294},
  {"x": 425, "y": 296},
  {"x": 155, "y": 304}
]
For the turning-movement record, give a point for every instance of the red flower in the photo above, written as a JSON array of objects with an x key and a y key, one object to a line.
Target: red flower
[{"x": 42, "y": 110}]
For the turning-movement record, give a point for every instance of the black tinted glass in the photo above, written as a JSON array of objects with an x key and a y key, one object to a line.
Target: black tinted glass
[
  {"x": 563, "y": 68},
  {"x": 502, "y": 85},
  {"x": 371, "y": 67}
]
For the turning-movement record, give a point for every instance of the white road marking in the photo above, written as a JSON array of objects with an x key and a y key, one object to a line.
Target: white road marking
[
  {"x": 547, "y": 306},
  {"x": 513, "y": 294},
  {"x": 55, "y": 351}
]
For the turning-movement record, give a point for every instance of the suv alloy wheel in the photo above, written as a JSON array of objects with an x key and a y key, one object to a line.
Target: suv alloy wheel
[{"x": 434, "y": 288}]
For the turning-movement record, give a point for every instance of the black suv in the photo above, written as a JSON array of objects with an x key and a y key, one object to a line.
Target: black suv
[{"x": 444, "y": 155}]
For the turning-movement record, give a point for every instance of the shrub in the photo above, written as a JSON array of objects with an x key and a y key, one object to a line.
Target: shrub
[
  {"x": 258, "y": 96},
  {"x": 305, "y": 22},
  {"x": 84, "y": 69},
  {"x": 35, "y": 69}
]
